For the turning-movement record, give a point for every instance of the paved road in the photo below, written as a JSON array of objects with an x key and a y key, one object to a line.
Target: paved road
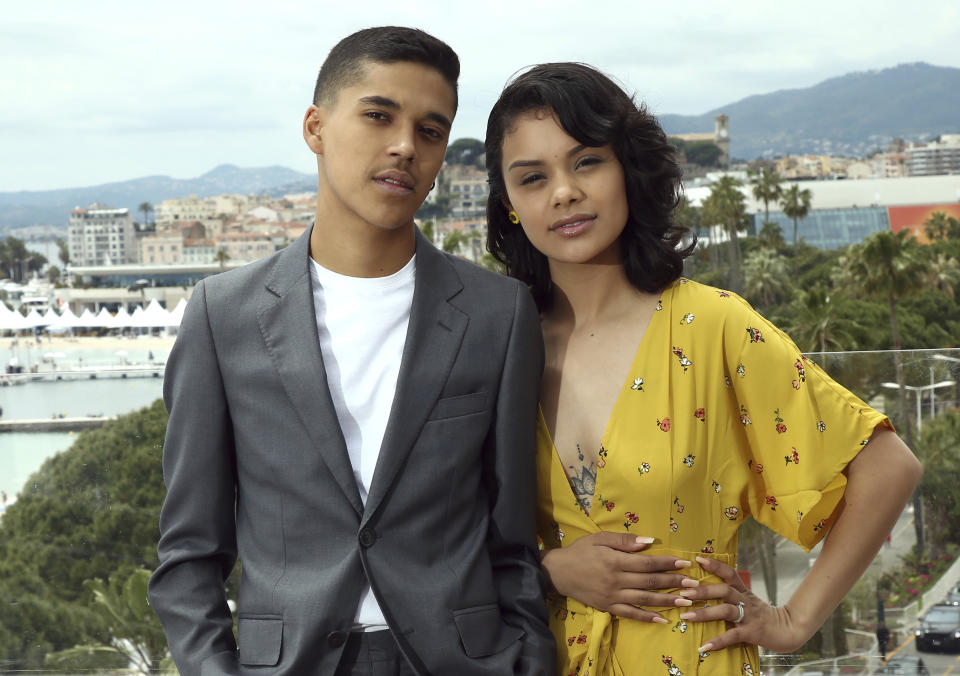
[{"x": 793, "y": 563}]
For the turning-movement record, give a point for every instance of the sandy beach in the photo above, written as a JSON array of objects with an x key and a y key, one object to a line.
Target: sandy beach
[{"x": 105, "y": 343}]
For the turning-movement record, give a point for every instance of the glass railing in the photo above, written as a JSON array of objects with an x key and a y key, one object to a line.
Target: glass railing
[{"x": 81, "y": 490}]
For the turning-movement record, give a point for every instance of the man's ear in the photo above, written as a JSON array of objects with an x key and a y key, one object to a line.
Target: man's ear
[{"x": 313, "y": 128}]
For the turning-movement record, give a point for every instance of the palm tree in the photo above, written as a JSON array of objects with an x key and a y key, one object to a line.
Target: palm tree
[
  {"x": 221, "y": 257},
  {"x": 765, "y": 277},
  {"x": 427, "y": 228},
  {"x": 726, "y": 206},
  {"x": 889, "y": 265},
  {"x": 771, "y": 235},
  {"x": 936, "y": 226},
  {"x": 146, "y": 208},
  {"x": 796, "y": 205},
  {"x": 63, "y": 251},
  {"x": 814, "y": 323},
  {"x": 943, "y": 275},
  {"x": 454, "y": 239},
  {"x": 766, "y": 188}
]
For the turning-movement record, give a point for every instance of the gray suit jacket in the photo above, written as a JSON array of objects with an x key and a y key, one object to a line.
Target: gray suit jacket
[{"x": 255, "y": 464}]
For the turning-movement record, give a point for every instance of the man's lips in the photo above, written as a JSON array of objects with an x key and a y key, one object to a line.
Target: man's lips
[{"x": 396, "y": 180}]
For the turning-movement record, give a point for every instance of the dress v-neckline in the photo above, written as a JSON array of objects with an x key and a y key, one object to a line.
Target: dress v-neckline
[{"x": 627, "y": 386}]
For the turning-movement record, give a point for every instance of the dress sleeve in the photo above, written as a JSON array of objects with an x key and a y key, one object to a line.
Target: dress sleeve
[{"x": 801, "y": 427}]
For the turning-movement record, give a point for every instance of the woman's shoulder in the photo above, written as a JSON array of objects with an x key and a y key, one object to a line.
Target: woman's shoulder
[{"x": 707, "y": 303}]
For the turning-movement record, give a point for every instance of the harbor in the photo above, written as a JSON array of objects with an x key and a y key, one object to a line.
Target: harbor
[{"x": 72, "y": 424}]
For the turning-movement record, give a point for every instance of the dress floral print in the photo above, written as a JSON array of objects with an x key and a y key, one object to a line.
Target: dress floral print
[{"x": 719, "y": 418}]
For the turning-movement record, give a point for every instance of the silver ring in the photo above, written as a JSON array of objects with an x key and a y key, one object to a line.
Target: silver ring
[{"x": 740, "y": 613}]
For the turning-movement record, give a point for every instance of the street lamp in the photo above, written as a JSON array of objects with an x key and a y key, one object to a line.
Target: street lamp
[{"x": 919, "y": 390}]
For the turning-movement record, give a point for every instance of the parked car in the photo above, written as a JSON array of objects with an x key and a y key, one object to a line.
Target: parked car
[
  {"x": 953, "y": 596},
  {"x": 904, "y": 664},
  {"x": 939, "y": 629}
]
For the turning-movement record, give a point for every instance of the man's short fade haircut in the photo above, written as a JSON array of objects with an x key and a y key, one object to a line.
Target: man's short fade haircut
[{"x": 344, "y": 65}]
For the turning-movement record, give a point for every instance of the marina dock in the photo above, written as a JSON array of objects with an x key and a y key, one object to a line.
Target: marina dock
[{"x": 54, "y": 424}]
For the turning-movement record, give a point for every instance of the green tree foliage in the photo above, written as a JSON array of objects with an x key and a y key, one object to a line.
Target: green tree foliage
[
  {"x": 466, "y": 151},
  {"x": 767, "y": 188},
  {"x": 796, "y": 205},
  {"x": 765, "y": 277},
  {"x": 726, "y": 206},
  {"x": 53, "y": 274},
  {"x": 428, "y": 230},
  {"x": 703, "y": 153},
  {"x": 939, "y": 451},
  {"x": 14, "y": 257},
  {"x": 454, "y": 239},
  {"x": 135, "y": 634},
  {"x": 147, "y": 209},
  {"x": 86, "y": 513},
  {"x": 63, "y": 251}
]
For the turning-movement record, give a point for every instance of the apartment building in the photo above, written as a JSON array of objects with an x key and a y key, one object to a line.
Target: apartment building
[
  {"x": 101, "y": 235},
  {"x": 162, "y": 248},
  {"x": 938, "y": 157}
]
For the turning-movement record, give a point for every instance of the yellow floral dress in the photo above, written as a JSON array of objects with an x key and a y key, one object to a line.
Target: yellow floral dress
[{"x": 720, "y": 418}]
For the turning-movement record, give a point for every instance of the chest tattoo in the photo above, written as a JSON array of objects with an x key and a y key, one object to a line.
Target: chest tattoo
[{"x": 583, "y": 481}]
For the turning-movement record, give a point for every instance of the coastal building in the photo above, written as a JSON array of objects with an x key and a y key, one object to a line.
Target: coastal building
[
  {"x": 184, "y": 209},
  {"x": 468, "y": 188},
  {"x": 845, "y": 212},
  {"x": 937, "y": 157},
  {"x": 101, "y": 235},
  {"x": 720, "y": 137},
  {"x": 164, "y": 248}
]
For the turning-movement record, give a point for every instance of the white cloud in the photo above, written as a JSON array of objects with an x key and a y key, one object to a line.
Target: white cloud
[{"x": 108, "y": 90}]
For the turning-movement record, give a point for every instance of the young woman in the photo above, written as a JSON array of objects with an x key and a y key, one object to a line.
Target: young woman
[{"x": 671, "y": 411}]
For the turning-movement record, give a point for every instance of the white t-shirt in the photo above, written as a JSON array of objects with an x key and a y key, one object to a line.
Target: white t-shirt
[{"x": 362, "y": 324}]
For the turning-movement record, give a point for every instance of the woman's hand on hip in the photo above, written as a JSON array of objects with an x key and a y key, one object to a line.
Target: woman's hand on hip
[
  {"x": 605, "y": 571},
  {"x": 750, "y": 619}
]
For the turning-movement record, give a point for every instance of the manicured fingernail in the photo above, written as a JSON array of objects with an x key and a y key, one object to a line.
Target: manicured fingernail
[
  {"x": 686, "y": 616},
  {"x": 644, "y": 540},
  {"x": 703, "y": 561},
  {"x": 682, "y": 563},
  {"x": 706, "y": 647},
  {"x": 683, "y": 602},
  {"x": 689, "y": 582},
  {"x": 687, "y": 593},
  {"x": 660, "y": 620}
]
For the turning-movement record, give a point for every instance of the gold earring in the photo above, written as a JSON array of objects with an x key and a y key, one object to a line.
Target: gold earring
[{"x": 513, "y": 217}]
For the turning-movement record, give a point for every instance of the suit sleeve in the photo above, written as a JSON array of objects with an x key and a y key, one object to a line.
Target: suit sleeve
[
  {"x": 197, "y": 547},
  {"x": 511, "y": 478}
]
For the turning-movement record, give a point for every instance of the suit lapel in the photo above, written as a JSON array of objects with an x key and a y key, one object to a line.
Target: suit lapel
[
  {"x": 433, "y": 339},
  {"x": 288, "y": 323}
]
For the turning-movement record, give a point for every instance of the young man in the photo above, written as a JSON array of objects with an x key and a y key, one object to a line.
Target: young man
[{"x": 354, "y": 416}]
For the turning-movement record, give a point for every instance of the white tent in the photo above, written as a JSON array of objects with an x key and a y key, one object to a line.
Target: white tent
[
  {"x": 104, "y": 320},
  {"x": 122, "y": 319},
  {"x": 64, "y": 322},
  {"x": 34, "y": 319},
  {"x": 87, "y": 319},
  {"x": 155, "y": 316},
  {"x": 176, "y": 315},
  {"x": 11, "y": 320}
]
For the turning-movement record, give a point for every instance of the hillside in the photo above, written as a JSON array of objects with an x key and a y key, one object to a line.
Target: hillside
[
  {"x": 52, "y": 207},
  {"x": 848, "y": 115}
]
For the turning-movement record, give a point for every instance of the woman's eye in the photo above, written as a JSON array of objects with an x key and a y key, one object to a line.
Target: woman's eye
[
  {"x": 530, "y": 178},
  {"x": 587, "y": 161}
]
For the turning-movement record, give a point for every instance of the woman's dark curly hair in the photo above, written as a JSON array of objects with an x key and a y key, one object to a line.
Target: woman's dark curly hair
[{"x": 595, "y": 111}]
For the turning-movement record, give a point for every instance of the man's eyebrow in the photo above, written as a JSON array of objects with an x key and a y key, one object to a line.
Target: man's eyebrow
[
  {"x": 385, "y": 102},
  {"x": 533, "y": 163}
]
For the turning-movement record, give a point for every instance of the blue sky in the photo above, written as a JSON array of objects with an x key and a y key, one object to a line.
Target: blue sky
[{"x": 108, "y": 90}]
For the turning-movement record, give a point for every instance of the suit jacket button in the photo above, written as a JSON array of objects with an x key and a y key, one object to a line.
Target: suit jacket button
[
  {"x": 367, "y": 537},
  {"x": 335, "y": 639}
]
